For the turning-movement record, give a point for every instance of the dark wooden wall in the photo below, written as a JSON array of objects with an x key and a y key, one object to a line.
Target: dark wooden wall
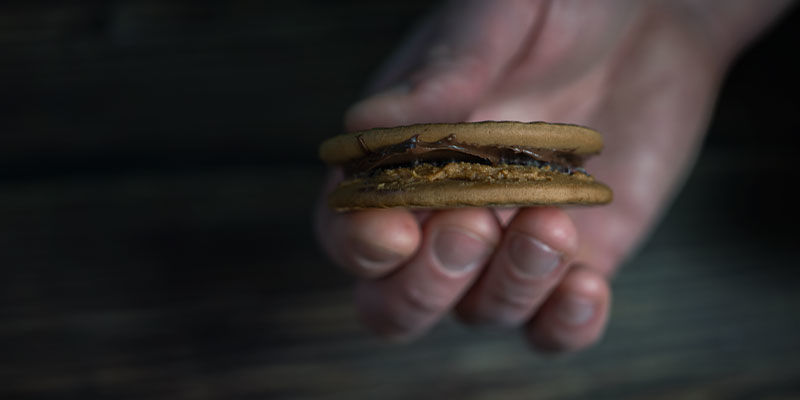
[{"x": 157, "y": 173}]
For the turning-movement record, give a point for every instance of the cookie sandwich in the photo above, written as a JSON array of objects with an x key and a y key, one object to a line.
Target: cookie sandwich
[{"x": 478, "y": 164}]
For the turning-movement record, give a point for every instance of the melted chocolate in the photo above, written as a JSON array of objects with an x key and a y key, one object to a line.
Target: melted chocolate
[{"x": 414, "y": 151}]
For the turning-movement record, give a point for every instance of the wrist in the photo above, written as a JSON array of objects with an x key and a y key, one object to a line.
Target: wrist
[{"x": 730, "y": 25}]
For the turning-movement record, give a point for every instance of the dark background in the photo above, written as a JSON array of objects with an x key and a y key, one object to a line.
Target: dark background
[{"x": 157, "y": 174}]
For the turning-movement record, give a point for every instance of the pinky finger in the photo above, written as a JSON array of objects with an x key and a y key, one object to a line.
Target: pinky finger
[{"x": 574, "y": 316}]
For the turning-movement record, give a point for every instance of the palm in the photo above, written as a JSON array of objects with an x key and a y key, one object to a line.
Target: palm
[{"x": 648, "y": 91}]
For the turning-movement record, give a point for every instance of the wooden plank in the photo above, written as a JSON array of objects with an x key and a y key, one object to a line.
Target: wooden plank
[
  {"x": 162, "y": 79},
  {"x": 99, "y": 81},
  {"x": 158, "y": 179},
  {"x": 208, "y": 284}
]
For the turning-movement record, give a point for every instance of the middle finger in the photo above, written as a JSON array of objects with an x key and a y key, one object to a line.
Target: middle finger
[{"x": 528, "y": 264}]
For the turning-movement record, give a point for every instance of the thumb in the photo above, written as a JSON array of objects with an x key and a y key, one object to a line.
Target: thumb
[{"x": 448, "y": 64}]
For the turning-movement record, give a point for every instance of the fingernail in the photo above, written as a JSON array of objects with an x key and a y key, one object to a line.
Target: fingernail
[
  {"x": 378, "y": 108},
  {"x": 370, "y": 256},
  {"x": 401, "y": 88},
  {"x": 531, "y": 257},
  {"x": 575, "y": 311},
  {"x": 440, "y": 52},
  {"x": 458, "y": 250}
]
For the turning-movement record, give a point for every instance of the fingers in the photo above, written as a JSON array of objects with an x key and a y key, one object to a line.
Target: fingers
[
  {"x": 369, "y": 243},
  {"x": 575, "y": 315},
  {"x": 529, "y": 263},
  {"x": 528, "y": 282},
  {"x": 449, "y": 64},
  {"x": 456, "y": 245}
]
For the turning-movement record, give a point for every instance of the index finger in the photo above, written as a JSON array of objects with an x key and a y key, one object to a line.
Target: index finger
[{"x": 369, "y": 243}]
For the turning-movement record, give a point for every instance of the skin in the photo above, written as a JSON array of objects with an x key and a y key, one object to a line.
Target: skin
[{"x": 644, "y": 73}]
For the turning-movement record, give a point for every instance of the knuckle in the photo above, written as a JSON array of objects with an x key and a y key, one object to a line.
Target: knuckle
[
  {"x": 413, "y": 310},
  {"x": 513, "y": 302},
  {"x": 424, "y": 302}
]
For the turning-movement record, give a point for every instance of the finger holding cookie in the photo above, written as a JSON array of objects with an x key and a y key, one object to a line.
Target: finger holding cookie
[{"x": 460, "y": 255}]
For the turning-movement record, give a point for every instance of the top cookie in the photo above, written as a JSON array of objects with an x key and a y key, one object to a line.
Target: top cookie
[{"x": 576, "y": 139}]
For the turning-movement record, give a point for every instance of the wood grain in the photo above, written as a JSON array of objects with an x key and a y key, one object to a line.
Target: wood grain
[{"x": 158, "y": 172}]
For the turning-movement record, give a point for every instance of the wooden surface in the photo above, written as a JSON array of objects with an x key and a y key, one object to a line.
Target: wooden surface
[{"x": 157, "y": 163}]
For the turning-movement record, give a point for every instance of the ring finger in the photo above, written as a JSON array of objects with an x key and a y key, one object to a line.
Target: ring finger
[{"x": 529, "y": 263}]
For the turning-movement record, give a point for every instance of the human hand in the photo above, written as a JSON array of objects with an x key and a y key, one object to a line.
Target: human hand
[{"x": 645, "y": 74}]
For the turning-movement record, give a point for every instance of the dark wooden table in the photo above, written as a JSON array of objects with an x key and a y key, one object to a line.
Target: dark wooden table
[{"x": 157, "y": 172}]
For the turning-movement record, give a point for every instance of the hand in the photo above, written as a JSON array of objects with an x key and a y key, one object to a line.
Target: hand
[{"x": 644, "y": 74}]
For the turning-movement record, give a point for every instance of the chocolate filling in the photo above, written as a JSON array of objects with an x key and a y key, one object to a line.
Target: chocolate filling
[{"x": 413, "y": 151}]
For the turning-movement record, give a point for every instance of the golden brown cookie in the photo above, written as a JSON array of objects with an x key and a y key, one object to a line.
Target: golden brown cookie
[{"x": 490, "y": 163}]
